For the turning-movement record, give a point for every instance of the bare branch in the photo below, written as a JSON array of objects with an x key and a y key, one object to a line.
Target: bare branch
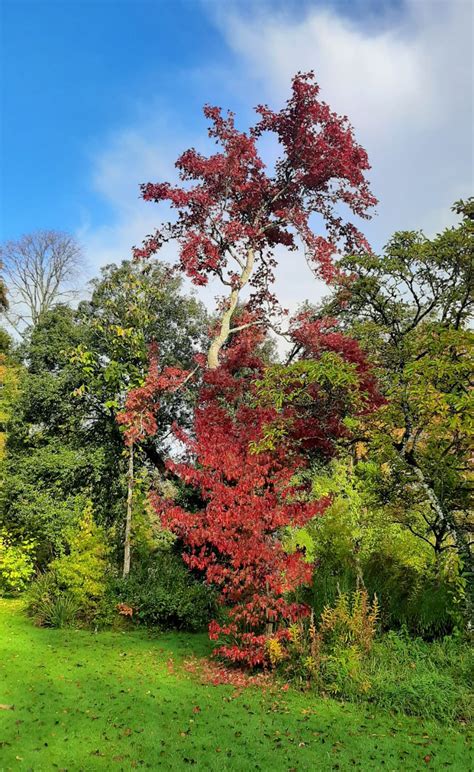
[{"x": 39, "y": 268}]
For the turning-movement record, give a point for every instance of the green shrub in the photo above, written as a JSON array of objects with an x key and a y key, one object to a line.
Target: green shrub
[
  {"x": 49, "y": 605},
  {"x": 16, "y": 564},
  {"x": 83, "y": 571},
  {"x": 162, "y": 592},
  {"x": 412, "y": 676},
  {"x": 399, "y": 673},
  {"x": 357, "y": 538},
  {"x": 423, "y": 602},
  {"x": 43, "y": 588},
  {"x": 331, "y": 653},
  {"x": 60, "y": 611},
  {"x": 74, "y": 586}
]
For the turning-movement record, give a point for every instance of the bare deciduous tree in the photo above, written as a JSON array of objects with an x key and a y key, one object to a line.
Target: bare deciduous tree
[{"x": 38, "y": 268}]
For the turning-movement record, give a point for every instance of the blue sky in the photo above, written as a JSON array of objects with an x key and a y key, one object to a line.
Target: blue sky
[
  {"x": 100, "y": 95},
  {"x": 76, "y": 70}
]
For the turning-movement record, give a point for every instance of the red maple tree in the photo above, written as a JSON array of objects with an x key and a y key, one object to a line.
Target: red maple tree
[{"x": 231, "y": 214}]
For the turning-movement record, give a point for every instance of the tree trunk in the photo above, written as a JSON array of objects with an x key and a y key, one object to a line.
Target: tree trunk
[
  {"x": 225, "y": 329},
  {"x": 443, "y": 519},
  {"x": 128, "y": 521}
]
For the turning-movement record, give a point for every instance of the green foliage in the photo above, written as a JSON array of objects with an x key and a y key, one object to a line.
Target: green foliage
[
  {"x": 59, "y": 610},
  {"x": 162, "y": 592},
  {"x": 83, "y": 570},
  {"x": 44, "y": 406},
  {"x": 331, "y": 652},
  {"x": 132, "y": 306},
  {"x": 283, "y": 385},
  {"x": 147, "y": 533},
  {"x": 10, "y": 377},
  {"x": 6, "y": 342},
  {"x": 63, "y": 443},
  {"x": 342, "y": 656},
  {"x": 411, "y": 309},
  {"x": 426, "y": 600},
  {"x": 41, "y": 594},
  {"x": 410, "y": 676},
  {"x": 74, "y": 586},
  {"x": 51, "y": 466},
  {"x": 16, "y": 563},
  {"x": 44, "y": 492},
  {"x": 357, "y": 540}
]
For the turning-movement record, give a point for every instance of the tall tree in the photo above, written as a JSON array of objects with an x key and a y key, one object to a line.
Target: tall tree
[
  {"x": 39, "y": 269},
  {"x": 48, "y": 471},
  {"x": 255, "y": 428},
  {"x": 247, "y": 442},
  {"x": 411, "y": 309},
  {"x": 133, "y": 307},
  {"x": 64, "y": 443},
  {"x": 9, "y": 384}
]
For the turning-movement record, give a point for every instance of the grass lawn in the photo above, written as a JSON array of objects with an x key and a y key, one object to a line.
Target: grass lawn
[{"x": 85, "y": 701}]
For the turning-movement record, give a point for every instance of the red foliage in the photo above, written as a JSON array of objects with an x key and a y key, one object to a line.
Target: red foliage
[
  {"x": 216, "y": 674},
  {"x": 141, "y": 406},
  {"x": 248, "y": 498},
  {"x": 230, "y": 203},
  {"x": 312, "y": 338}
]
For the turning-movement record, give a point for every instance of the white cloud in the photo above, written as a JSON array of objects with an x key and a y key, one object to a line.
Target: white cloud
[
  {"x": 356, "y": 69},
  {"x": 130, "y": 157},
  {"x": 403, "y": 79}
]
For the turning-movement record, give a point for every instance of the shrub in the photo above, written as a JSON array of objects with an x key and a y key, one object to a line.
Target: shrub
[
  {"x": 43, "y": 494},
  {"x": 357, "y": 537},
  {"x": 351, "y": 621},
  {"x": 60, "y": 611},
  {"x": 49, "y": 605},
  {"x": 164, "y": 593},
  {"x": 74, "y": 587},
  {"x": 332, "y": 653},
  {"x": 423, "y": 601},
  {"x": 83, "y": 571},
  {"x": 397, "y": 673},
  {"x": 433, "y": 680},
  {"x": 16, "y": 564}
]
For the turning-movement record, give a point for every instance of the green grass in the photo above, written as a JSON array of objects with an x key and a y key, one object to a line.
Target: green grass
[
  {"x": 433, "y": 680},
  {"x": 85, "y": 701}
]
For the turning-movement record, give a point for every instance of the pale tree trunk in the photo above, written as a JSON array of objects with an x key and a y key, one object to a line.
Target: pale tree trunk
[
  {"x": 225, "y": 329},
  {"x": 128, "y": 521}
]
